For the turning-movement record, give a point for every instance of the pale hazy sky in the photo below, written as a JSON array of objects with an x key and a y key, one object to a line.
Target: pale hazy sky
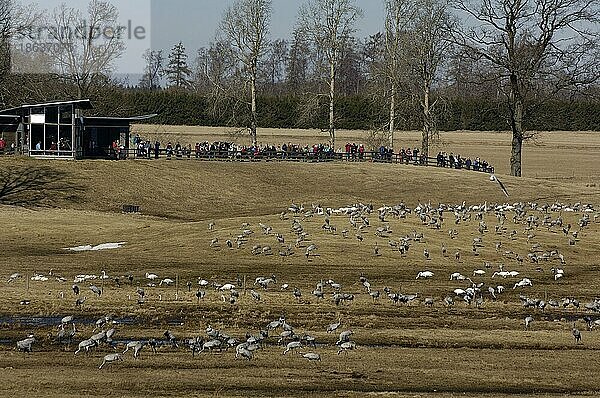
[{"x": 194, "y": 22}]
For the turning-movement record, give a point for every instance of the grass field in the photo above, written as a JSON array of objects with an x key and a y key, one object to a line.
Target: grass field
[{"x": 403, "y": 350}]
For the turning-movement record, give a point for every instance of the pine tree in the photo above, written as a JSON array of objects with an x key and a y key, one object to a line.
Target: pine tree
[{"x": 178, "y": 72}]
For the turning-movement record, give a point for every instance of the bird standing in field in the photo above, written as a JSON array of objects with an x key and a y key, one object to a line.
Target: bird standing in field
[
  {"x": 109, "y": 358},
  {"x": 333, "y": 327},
  {"x": 79, "y": 302},
  {"x": 576, "y": 335}
]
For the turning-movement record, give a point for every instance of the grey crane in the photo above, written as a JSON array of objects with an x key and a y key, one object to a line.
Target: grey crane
[
  {"x": 96, "y": 290},
  {"x": 449, "y": 301},
  {"x": 374, "y": 295},
  {"x": 346, "y": 346},
  {"x": 576, "y": 334},
  {"x": 528, "y": 321},
  {"x": 109, "y": 334},
  {"x": 171, "y": 337},
  {"x": 242, "y": 351},
  {"x": 79, "y": 302},
  {"x": 297, "y": 294},
  {"x": 311, "y": 356},
  {"x": 86, "y": 345},
  {"x": 292, "y": 345},
  {"x": 333, "y": 327},
  {"x": 309, "y": 340},
  {"x": 136, "y": 346},
  {"x": 110, "y": 358},
  {"x": 344, "y": 337},
  {"x": 26, "y": 344},
  {"x": 200, "y": 294}
]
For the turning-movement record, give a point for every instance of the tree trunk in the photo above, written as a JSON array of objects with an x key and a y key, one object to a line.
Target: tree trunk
[
  {"x": 515, "y": 155},
  {"x": 331, "y": 104},
  {"x": 392, "y": 116},
  {"x": 426, "y": 122},
  {"x": 253, "y": 122},
  {"x": 517, "y": 128}
]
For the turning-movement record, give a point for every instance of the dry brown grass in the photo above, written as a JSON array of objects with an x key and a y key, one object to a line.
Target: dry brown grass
[
  {"x": 402, "y": 350},
  {"x": 555, "y": 155}
]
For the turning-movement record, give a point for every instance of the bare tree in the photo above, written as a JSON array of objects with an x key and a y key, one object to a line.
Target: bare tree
[
  {"x": 217, "y": 74},
  {"x": 298, "y": 65},
  {"x": 245, "y": 27},
  {"x": 273, "y": 71},
  {"x": 398, "y": 14},
  {"x": 329, "y": 24},
  {"x": 16, "y": 20},
  {"x": 428, "y": 51},
  {"x": 153, "y": 70},
  {"x": 87, "y": 45},
  {"x": 531, "y": 44}
]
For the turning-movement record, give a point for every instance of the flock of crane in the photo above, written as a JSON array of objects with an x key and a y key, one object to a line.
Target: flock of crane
[
  {"x": 354, "y": 222},
  {"x": 213, "y": 340}
]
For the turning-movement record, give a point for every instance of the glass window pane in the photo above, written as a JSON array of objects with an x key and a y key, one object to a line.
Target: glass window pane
[
  {"x": 37, "y": 138},
  {"x": 65, "y": 114},
  {"x": 51, "y": 137},
  {"x": 65, "y": 138},
  {"x": 52, "y": 114}
]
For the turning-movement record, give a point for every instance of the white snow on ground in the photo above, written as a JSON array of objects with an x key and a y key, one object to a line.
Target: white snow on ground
[{"x": 102, "y": 246}]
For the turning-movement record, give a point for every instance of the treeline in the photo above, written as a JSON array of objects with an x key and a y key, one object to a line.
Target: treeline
[{"x": 353, "y": 112}]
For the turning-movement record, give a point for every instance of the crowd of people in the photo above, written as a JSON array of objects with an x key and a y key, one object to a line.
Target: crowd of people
[{"x": 289, "y": 151}]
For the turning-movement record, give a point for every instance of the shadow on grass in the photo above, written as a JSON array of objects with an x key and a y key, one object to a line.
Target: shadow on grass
[{"x": 38, "y": 186}]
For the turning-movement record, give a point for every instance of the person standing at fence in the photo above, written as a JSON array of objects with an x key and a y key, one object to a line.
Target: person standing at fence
[
  {"x": 2, "y": 145},
  {"x": 156, "y": 149}
]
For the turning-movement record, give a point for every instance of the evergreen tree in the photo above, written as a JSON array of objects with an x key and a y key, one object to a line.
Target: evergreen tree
[{"x": 178, "y": 72}]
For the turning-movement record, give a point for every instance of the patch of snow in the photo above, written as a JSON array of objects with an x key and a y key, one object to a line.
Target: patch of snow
[{"x": 102, "y": 246}]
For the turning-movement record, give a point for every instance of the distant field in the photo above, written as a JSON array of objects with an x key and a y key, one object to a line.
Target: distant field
[
  {"x": 552, "y": 155},
  {"x": 403, "y": 350}
]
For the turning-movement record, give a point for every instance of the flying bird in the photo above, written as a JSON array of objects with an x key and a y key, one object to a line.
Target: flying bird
[{"x": 502, "y": 187}]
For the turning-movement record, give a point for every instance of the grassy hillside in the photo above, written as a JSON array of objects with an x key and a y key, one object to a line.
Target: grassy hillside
[
  {"x": 193, "y": 190},
  {"x": 402, "y": 349}
]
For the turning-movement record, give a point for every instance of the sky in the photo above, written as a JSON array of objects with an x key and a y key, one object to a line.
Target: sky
[{"x": 195, "y": 22}]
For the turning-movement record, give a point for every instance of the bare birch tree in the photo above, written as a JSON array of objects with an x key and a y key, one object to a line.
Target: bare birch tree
[
  {"x": 245, "y": 27},
  {"x": 531, "y": 43},
  {"x": 16, "y": 22},
  {"x": 88, "y": 44},
  {"x": 153, "y": 70},
  {"x": 329, "y": 24},
  {"x": 428, "y": 52},
  {"x": 398, "y": 14}
]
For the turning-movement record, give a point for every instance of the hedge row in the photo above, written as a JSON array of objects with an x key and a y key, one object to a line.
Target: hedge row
[{"x": 178, "y": 108}]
